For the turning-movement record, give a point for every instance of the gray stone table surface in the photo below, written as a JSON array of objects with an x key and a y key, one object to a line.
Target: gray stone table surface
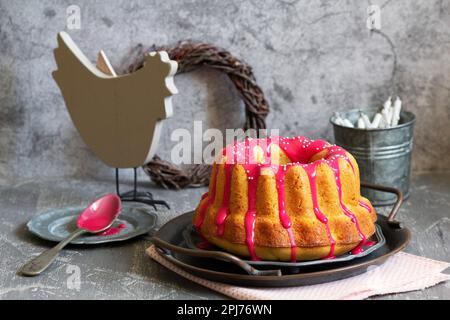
[{"x": 123, "y": 271}]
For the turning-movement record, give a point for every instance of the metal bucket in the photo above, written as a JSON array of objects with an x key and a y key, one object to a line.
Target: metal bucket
[{"x": 383, "y": 155}]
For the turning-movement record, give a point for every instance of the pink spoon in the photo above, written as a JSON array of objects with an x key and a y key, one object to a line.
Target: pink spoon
[{"x": 97, "y": 217}]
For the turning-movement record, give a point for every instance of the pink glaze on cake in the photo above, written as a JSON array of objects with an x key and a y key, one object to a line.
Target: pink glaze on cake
[{"x": 300, "y": 151}]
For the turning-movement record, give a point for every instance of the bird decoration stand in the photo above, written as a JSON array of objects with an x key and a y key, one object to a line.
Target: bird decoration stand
[{"x": 118, "y": 117}]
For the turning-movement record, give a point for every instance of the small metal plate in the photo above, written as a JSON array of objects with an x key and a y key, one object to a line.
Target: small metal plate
[
  {"x": 57, "y": 224},
  {"x": 191, "y": 238}
]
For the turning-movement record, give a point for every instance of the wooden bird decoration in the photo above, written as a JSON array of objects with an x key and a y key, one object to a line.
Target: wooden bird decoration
[{"x": 118, "y": 117}]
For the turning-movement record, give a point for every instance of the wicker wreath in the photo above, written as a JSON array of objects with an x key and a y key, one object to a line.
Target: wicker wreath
[{"x": 191, "y": 56}]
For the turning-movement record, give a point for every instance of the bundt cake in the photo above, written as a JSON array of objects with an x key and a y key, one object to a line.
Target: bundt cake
[{"x": 288, "y": 199}]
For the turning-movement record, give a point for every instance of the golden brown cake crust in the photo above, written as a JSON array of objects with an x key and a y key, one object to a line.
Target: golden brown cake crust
[{"x": 312, "y": 237}]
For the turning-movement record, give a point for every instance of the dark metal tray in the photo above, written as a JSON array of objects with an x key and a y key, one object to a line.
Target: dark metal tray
[
  {"x": 191, "y": 239},
  {"x": 224, "y": 267}
]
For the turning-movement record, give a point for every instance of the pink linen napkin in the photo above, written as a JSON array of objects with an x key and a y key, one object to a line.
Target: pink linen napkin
[{"x": 400, "y": 273}]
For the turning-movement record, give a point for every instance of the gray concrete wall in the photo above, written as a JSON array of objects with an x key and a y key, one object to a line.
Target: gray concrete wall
[{"x": 310, "y": 57}]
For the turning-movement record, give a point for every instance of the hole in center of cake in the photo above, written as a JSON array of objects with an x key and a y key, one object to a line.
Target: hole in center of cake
[{"x": 278, "y": 156}]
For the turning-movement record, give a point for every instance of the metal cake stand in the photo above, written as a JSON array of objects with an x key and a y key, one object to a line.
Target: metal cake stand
[{"x": 224, "y": 267}]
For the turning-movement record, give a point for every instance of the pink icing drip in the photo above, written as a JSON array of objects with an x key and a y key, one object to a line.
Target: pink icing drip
[
  {"x": 293, "y": 245},
  {"x": 335, "y": 167},
  {"x": 100, "y": 214},
  {"x": 365, "y": 206},
  {"x": 113, "y": 230},
  {"x": 336, "y": 152},
  {"x": 300, "y": 150},
  {"x": 284, "y": 217},
  {"x": 223, "y": 211},
  {"x": 204, "y": 245},
  {"x": 311, "y": 171}
]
